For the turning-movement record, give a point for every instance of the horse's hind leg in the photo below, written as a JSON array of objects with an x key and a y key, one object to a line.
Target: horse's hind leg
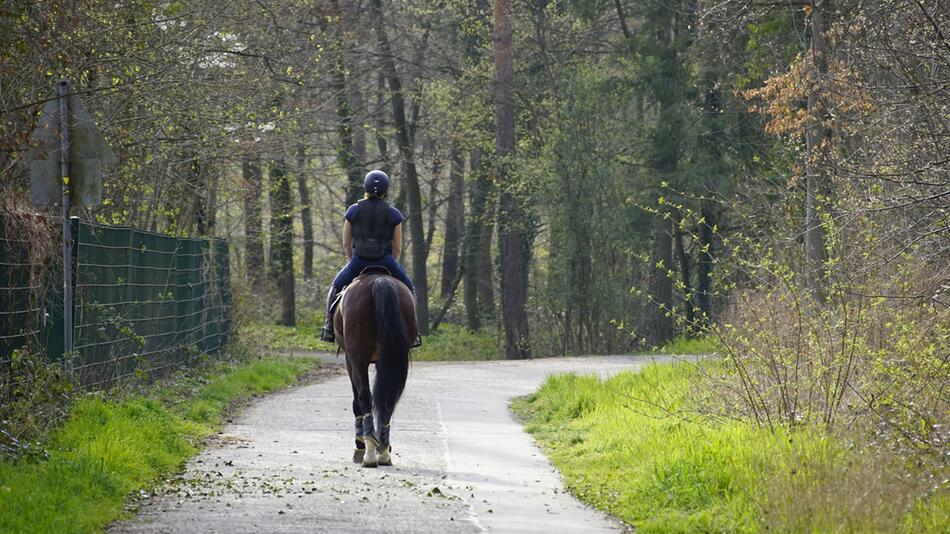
[
  {"x": 365, "y": 404},
  {"x": 358, "y": 413},
  {"x": 360, "y": 449},
  {"x": 385, "y": 449}
]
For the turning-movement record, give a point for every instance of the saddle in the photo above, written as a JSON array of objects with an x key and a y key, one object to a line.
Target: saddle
[
  {"x": 376, "y": 269},
  {"x": 372, "y": 269}
]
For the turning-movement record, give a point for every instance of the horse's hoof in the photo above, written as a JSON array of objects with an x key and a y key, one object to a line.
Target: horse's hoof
[
  {"x": 370, "y": 458},
  {"x": 358, "y": 455},
  {"x": 385, "y": 457}
]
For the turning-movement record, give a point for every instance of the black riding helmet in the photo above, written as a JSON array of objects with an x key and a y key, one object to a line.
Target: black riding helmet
[{"x": 376, "y": 183}]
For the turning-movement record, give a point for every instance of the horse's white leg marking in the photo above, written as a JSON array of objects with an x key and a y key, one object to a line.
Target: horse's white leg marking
[
  {"x": 385, "y": 458},
  {"x": 370, "y": 458}
]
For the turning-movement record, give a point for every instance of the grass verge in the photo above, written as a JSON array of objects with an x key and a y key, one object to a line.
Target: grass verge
[
  {"x": 109, "y": 447},
  {"x": 625, "y": 446}
]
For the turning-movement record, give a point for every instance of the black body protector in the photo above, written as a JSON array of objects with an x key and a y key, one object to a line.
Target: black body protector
[{"x": 373, "y": 229}]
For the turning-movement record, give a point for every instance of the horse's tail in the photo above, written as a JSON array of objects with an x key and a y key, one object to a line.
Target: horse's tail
[{"x": 392, "y": 364}]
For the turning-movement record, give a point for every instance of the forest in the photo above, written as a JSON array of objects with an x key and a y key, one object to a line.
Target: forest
[{"x": 578, "y": 176}]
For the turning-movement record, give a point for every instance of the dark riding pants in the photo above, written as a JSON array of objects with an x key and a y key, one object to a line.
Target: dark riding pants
[{"x": 355, "y": 266}]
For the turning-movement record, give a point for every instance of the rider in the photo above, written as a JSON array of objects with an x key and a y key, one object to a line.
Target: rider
[{"x": 372, "y": 235}]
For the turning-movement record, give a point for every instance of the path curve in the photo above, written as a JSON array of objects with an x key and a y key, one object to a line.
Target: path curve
[{"x": 462, "y": 463}]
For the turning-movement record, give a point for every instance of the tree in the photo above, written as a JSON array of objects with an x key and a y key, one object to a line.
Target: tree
[
  {"x": 818, "y": 144},
  {"x": 454, "y": 221},
  {"x": 282, "y": 241},
  {"x": 511, "y": 214},
  {"x": 306, "y": 217},
  {"x": 253, "y": 229},
  {"x": 410, "y": 178}
]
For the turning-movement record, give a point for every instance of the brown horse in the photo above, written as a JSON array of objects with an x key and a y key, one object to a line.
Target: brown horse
[{"x": 375, "y": 323}]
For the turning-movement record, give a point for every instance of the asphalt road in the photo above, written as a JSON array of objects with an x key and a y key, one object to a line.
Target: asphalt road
[{"x": 461, "y": 462}]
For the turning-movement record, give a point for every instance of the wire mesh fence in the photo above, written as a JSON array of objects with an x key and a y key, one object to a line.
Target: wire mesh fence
[
  {"x": 26, "y": 262},
  {"x": 143, "y": 303}
]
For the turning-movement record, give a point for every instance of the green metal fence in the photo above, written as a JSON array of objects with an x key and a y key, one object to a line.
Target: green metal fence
[{"x": 144, "y": 302}]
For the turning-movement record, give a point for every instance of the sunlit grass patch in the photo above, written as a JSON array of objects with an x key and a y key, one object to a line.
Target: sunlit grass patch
[
  {"x": 456, "y": 343},
  {"x": 450, "y": 342},
  {"x": 627, "y": 445},
  {"x": 690, "y": 345},
  {"x": 110, "y": 447},
  {"x": 304, "y": 336}
]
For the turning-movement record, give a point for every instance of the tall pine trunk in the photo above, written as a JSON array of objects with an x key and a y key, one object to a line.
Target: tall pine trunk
[
  {"x": 454, "y": 221},
  {"x": 476, "y": 249},
  {"x": 511, "y": 213},
  {"x": 253, "y": 226},
  {"x": 410, "y": 178}
]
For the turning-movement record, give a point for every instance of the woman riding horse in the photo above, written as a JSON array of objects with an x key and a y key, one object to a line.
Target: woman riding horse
[
  {"x": 372, "y": 236},
  {"x": 376, "y": 318}
]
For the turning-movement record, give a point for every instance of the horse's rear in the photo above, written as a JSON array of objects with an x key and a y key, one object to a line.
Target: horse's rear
[{"x": 376, "y": 323}]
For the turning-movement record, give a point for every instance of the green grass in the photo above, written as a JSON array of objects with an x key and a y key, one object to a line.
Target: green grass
[
  {"x": 304, "y": 336},
  {"x": 688, "y": 345},
  {"x": 456, "y": 343},
  {"x": 449, "y": 343},
  {"x": 110, "y": 447},
  {"x": 651, "y": 466}
]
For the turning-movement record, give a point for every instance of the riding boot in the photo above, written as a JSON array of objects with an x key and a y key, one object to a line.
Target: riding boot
[
  {"x": 418, "y": 341},
  {"x": 328, "y": 334}
]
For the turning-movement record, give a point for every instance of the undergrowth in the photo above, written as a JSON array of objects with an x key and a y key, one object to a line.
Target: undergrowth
[
  {"x": 690, "y": 345},
  {"x": 630, "y": 446},
  {"x": 450, "y": 342},
  {"x": 109, "y": 447},
  {"x": 304, "y": 336},
  {"x": 453, "y": 342}
]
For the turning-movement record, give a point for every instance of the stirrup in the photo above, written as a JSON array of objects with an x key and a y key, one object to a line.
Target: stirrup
[
  {"x": 416, "y": 342},
  {"x": 328, "y": 335}
]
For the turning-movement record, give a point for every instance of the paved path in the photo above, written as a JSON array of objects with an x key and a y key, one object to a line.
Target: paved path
[{"x": 461, "y": 462}]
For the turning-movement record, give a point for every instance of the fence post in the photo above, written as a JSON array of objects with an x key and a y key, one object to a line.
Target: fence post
[{"x": 62, "y": 93}]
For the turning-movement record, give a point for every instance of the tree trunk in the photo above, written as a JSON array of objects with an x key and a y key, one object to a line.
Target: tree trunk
[
  {"x": 484, "y": 262},
  {"x": 686, "y": 274},
  {"x": 410, "y": 175},
  {"x": 818, "y": 140},
  {"x": 253, "y": 226},
  {"x": 433, "y": 207},
  {"x": 306, "y": 218},
  {"x": 282, "y": 240},
  {"x": 662, "y": 290},
  {"x": 381, "y": 126},
  {"x": 511, "y": 213},
  {"x": 704, "y": 274},
  {"x": 355, "y": 97},
  {"x": 347, "y": 156},
  {"x": 210, "y": 214},
  {"x": 475, "y": 234},
  {"x": 454, "y": 221}
]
